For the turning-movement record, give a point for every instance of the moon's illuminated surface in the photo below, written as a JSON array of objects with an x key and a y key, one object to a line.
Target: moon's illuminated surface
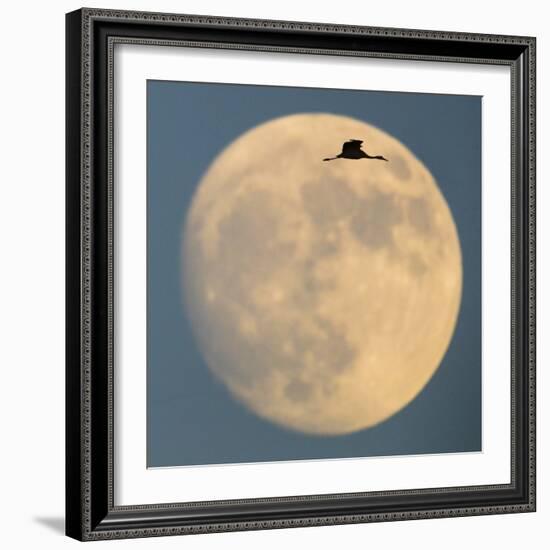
[{"x": 323, "y": 294}]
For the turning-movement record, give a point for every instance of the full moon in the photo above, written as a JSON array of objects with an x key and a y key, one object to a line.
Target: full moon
[{"x": 323, "y": 295}]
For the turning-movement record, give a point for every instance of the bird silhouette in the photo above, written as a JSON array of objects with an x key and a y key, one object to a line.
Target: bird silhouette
[{"x": 351, "y": 149}]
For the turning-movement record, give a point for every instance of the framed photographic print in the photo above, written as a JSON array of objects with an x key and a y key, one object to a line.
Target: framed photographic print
[{"x": 300, "y": 274}]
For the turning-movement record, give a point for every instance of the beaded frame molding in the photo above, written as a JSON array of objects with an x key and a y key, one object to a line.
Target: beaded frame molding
[{"x": 90, "y": 510}]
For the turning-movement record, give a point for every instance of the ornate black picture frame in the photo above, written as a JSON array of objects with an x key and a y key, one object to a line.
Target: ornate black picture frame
[{"x": 90, "y": 509}]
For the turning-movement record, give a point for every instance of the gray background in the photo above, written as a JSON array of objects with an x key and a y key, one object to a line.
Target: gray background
[{"x": 191, "y": 418}]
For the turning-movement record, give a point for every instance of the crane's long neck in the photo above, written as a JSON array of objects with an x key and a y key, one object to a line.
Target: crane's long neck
[
  {"x": 332, "y": 158},
  {"x": 377, "y": 157}
]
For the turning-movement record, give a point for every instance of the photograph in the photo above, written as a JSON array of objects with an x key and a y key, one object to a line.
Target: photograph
[{"x": 313, "y": 273}]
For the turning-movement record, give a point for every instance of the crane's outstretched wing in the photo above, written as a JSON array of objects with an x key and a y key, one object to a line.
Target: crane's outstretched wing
[{"x": 352, "y": 145}]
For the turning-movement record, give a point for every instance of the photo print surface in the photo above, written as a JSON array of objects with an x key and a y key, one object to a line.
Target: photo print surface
[{"x": 314, "y": 273}]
